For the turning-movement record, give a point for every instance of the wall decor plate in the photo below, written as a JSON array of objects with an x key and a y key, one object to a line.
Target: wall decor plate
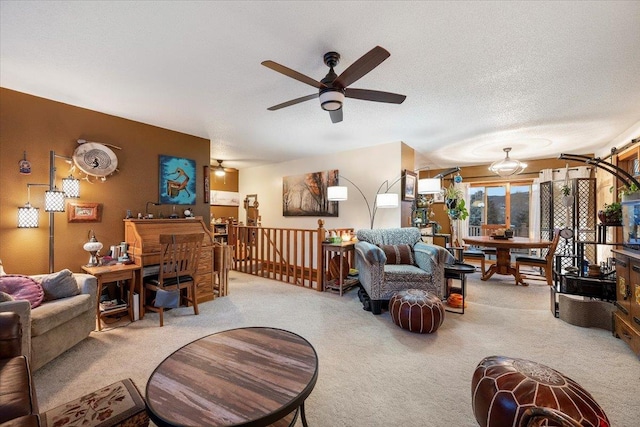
[{"x": 95, "y": 159}]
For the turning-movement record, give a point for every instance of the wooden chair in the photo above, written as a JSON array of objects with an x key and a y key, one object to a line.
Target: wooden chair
[
  {"x": 545, "y": 262},
  {"x": 178, "y": 264},
  {"x": 481, "y": 253}
]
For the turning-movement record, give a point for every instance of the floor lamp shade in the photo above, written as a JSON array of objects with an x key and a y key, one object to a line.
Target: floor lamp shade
[
  {"x": 71, "y": 187},
  {"x": 429, "y": 186},
  {"x": 28, "y": 216},
  {"x": 337, "y": 193},
  {"x": 54, "y": 200},
  {"x": 387, "y": 200}
]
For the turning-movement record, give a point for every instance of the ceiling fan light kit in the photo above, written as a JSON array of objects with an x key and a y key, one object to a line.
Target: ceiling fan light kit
[
  {"x": 219, "y": 170},
  {"x": 331, "y": 99},
  {"x": 333, "y": 89},
  {"x": 507, "y": 166}
]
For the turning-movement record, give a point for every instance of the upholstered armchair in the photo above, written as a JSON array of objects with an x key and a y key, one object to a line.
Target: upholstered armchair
[{"x": 394, "y": 259}]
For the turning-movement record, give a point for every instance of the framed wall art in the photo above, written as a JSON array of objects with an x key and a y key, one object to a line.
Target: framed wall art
[
  {"x": 225, "y": 198},
  {"x": 84, "y": 212},
  {"x": 206, "y": 180},
  {"x": 177, "y": 181},
  {"x": 306, "y": 195},
  {"x": 409, "y": 184}
]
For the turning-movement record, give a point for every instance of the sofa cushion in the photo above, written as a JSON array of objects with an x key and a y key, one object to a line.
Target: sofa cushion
[
  {"x": 17, "y": 395},
  {"x": 22, "y": 288},
  {"x": 398, "y": 254},
  {"x": 404, "y": 273},
  {"x": 59, "y": 285},
  {"x": 55, "y": 313}
]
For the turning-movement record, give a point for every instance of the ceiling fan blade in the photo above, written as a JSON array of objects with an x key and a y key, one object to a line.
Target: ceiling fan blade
[
  {"x": 336, "y": 115},
  {"x": 293, "y": 102},
  {"x": 362, "y": 66},
  {"x": 374, "y": 95},
  {"x": 293, "y": 74}
]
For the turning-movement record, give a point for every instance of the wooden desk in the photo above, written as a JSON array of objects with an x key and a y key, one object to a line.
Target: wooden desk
[
  {"x": 143, "y": 239},
  {"x": 241, "y": 377},
  {"x": 114, "y": 273},
  {"x": 503, "y": 253}
]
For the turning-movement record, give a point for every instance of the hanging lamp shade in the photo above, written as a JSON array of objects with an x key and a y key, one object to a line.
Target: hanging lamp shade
[
  {"x": 507, "y": 166},
  {"x": 429, "y": 186},
  {"x": 28, "y": 216},
  {"x": 337, "y": 193}
]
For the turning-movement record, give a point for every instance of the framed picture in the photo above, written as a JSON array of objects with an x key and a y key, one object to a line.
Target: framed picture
[
  {"x": 206, "y": 175},
  {"x": 84, "y": 212},
  {"x": 306, "y": 195},
  {"x": 177, "y": 181},
  {"x": 251, "y": 201},
  {"x": 225, "y": 198},
  {"x": 438, "y": 197},
  {"x": 409, "y": 185}
]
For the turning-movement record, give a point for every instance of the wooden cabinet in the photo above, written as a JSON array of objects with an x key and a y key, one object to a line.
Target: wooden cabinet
[
  {"x": 142, "y": 237},
  {"x": 627, "y": 314}
]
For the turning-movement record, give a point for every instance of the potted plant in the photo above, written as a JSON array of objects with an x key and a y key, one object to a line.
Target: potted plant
[
  {"x": 452, "y": 196},
  {"x": 455, "y": 204},
  {"x": 567, "y": 197},
  {"x": 611, "y": 214},
  {"x": 630, "y": 192}
]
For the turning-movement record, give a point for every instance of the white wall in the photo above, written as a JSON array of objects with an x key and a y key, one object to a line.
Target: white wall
[{"x": 367, "y": 168}]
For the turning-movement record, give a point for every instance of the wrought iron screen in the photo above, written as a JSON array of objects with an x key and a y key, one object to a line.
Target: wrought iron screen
[{"x": 579, "y": 215}]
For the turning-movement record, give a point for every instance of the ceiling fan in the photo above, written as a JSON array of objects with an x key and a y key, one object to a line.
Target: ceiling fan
[
  {"x": 220, "y": 170},
  {"x": 332, "y": 89}
]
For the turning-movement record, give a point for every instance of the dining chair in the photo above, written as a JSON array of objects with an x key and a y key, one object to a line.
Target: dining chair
[
  {"x": 178, "y": 264},
  {"x": 545, "y": 262},
  {"x": 481, "y": 253}
]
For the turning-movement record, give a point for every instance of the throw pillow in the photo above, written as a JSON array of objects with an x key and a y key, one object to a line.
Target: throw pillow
[
  {"x": 22, "y": 288},
  {"x": 59, "y": 285},
  {"x": 398, "y": 254},
  {"x": 5, "y": 297}
]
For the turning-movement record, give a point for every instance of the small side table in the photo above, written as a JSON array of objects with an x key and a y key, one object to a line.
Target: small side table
[
  {"x": 114, "y": 273},
  {"x": 458, "y": 271},
  {"x": 343, "y": 249}
]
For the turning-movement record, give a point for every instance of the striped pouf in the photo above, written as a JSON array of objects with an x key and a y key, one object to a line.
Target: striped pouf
[{"x": 416, "y": 310}]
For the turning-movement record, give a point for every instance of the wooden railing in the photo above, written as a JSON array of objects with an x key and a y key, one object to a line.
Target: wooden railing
[{"x": 290, "y": 255}]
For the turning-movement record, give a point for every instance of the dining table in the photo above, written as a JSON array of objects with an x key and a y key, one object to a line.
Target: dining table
[{"x": 503, "y": 248}]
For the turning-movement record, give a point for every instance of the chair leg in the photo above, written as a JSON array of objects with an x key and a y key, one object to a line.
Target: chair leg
[
  {"x": 194, "y": 300},
  {"x": 548, "y": 272},
  {"x": 161, "y": 313}
]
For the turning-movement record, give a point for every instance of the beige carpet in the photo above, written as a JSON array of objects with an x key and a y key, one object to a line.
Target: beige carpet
[{"x": 371, "y": 373}]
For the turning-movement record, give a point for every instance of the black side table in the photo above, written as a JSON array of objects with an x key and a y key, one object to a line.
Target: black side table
[{"x": 458, "y": 271}]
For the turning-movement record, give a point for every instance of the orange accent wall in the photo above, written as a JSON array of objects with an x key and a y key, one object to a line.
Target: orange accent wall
[{"x": 37, "y": 125}]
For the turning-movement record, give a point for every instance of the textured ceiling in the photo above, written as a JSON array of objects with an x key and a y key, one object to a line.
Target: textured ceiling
[{"x": 541, "y": 77}]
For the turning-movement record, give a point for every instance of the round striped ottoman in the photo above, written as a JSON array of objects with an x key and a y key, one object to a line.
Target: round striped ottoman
[
  {"x": 505, "y": 390},
  {"x": 416, "y": 310}
]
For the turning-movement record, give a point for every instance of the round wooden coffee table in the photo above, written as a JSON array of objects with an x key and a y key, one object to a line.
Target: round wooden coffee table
[{"x": 241, "y": 377}]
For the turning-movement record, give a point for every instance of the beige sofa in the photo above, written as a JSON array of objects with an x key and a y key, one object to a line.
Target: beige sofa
[{"x": 55, "y": 326}]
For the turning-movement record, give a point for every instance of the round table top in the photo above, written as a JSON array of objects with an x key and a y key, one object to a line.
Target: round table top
[
  {"x": 513, "y": 242},
  {"x": 241, "y": 377},
  {"x": 460, "y": 268}
]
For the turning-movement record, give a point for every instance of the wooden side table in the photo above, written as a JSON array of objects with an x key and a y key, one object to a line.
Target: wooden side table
[
  {"x": 344, "y": 250},
  {"x": 114, "y": 273}
]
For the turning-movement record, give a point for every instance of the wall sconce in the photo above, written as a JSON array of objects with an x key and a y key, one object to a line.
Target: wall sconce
[{"x": 54, "y": 201}]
